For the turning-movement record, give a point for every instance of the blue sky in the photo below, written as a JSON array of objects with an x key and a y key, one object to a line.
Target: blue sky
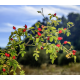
[{"x": 19, "y": 15}]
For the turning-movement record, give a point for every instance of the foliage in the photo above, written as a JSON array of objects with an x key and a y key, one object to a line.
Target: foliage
[{"x": 8, "y": 63}]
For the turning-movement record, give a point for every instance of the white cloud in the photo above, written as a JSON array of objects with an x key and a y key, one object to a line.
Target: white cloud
[
  {"x": 9, "y": 27},
  {"x": 30, "y": 21},
  {"x": 32, "y": 10},
  {"x": 71, "y": 7}
]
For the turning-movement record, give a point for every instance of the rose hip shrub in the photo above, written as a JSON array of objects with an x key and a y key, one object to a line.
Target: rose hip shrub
[{"x": 8, "y": 58}]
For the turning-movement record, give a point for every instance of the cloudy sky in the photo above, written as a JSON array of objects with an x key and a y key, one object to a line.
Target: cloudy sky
[{"x": 19, "y": 15}]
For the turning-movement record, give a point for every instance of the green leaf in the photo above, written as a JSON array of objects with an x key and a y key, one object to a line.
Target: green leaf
[
  {"x": 46, "y": 51},
  {"x": 22, "y": 72},
  {"x": 37, "y": 55},
  {"x": 51, "y": 39},
  {"x": 50, "y": 51},
  {"x": 33, "y": 31},
  {"x": 53, "y": 50},
  {"x": 69, "y": 42},
  {"x": 37, "y": 40},
  {"x": 15, "y": 66},
  {"x": 52, "y": 60},
  {"x": 53, "y": 28},
  {"x": 36, "y": 58},
  {"x": 45, "y": 47},
  {"x": 32, "y": 28},
  {"x": 38, "y": 51},
  {"x": 42, "y": 39},
  {"x": 68, "y": 33},
  {"x": 64, "y": 50},
  {"x": 34, "y": 54},
  {"x": 19, "y": 66},
  {"x": 12, "y": 70},
  {"x": 39, "y": 11},
  {"x": 22, "y": 54},
  {"x": 75, "y": 59},
  {"x": 30, "y": 37},
  {"x": 49, "y": 35},
  {"x": 51, "y": 56},
  {"x": 50, "y": 17},
  {"x": 49, "y": 14},
  {"x": 35, "y": 51},
  {"x": 37, "y": 24}
]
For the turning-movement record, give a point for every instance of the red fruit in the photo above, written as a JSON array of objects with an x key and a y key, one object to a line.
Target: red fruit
[
  {"x": 60, "y": 31},
  {"x": 39, "y": 29},
  {"x": 65, "y": 42},
  {"x": 25, "y": 26},
  {"x": 64, "y": 28},
  {"x": 39, "y": 33},
  {"x": 42, "y": 26},
  {"x": 37, "y": 37},
  {"x": 60, "y": 38},
  {"x": 13, "y": 57},
  {"x": 48, "y": 38},
  {"x": 11, "y": 39},
  {"x": 4, "y": 70},
  {"x": 14, "y": 27},
  {"x": 5, "y": 54},
  {"x": 24, "y": 30},
  {"x": 58, "y": 45},
  {"x": 55, "y": 14},
  {"x": 41, "y": 47},
  {"x": 74, "y": 51},
  {"x": 8, "y": 55}
]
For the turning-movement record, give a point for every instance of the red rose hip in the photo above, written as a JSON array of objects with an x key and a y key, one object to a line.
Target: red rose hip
[
  {"x": 58, "y": 45},
  {"x": 60, "y": 31},
  {"x": 65, "y": 42},
  {"x": 13, "y": 57},
  {"x": 25, "y": 26},
  {"x": 14, "y": 27},
  {"x": 55, "y": 14},
  {"x": 11, "y": 39},
  {"x": 48, "y": 38},
  {"x": 24, "y": 30},
  {"x": 74, "y": 51},
  {"x": 4, "y": 70},
  {"x": 39, "y": 29},
  {"x": 39, "y": 33},
  {"x": 5, "y": 54},
  {"x": 8, "y": 55},
  {"x": 41, "y": 47},
  {"x": 60, "y": 38}
]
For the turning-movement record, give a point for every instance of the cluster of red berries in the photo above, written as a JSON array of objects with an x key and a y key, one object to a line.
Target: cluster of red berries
[
  {"x": 74, "y": 51},
  {"x": 58, "y": 45},
  {"x": 23, "y": 30},
  {"x": 8, "y": 55}
]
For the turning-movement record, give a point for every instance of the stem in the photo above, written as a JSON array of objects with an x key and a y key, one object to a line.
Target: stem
[{"x": 66, "y": 49}]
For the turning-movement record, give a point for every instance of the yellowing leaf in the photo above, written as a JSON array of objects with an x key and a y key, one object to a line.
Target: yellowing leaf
[
  {"x": 53, "y": 27},
  {"x": 37, "y": 40},
  {"x": 19, "y": 66},
  {"x": 69, "y": 43},
  {"x": 44, "y": 44}
]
